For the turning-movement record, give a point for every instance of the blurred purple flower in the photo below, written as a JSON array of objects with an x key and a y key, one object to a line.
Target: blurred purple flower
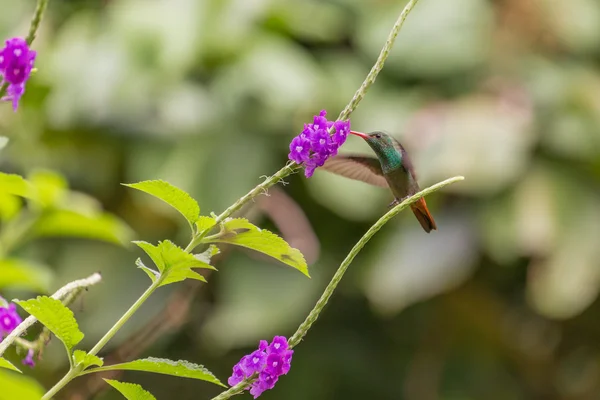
[
  {"x": 28, "y": 360},
  {"x": 314, "y": 145},
  {"x": 9, "y": 320},
  {"x": 16, "y": 63},
  {"x": 270, "y": 361}
]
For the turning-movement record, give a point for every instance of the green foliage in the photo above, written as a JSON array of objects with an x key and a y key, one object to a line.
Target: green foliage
[
  {"x": 19, "y": 273},
  {"x": 173, "y": 263},
  {"x": 241, "y": 232},
  {"x": 55, "y": 316},
  {"x": 80, "y": 357},
  {"x": 130, "y": 391},
  {"x": 152, "y": 274},
  {"x": 15, "y": 185},
  {"x": 48, "y": 187},
  {"x": 100, "y": 226},
  {"x": 4, "y": 363},
  {"x": 204, "y": 223},
  {"x": 172, "y": 195},
  {"x": 9, "y": 206},
  {"x": 13, "y": 386},
  {"x": 181, "y": 368}
]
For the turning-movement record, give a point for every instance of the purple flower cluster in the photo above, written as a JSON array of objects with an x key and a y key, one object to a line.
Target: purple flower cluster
[
  {"x": 270, "y": 361},
  {"x": 9, "y": 319},
  {"x": 314, "y": 145},
  {"x": 16, "y": 63}
]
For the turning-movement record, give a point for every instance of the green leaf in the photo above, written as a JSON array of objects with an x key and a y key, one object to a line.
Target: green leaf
[
  {"x": 203, "y": 223},
  {"x": 85, "y": 359},
  {"x": 241, "y": 232},
  {"x": 173, "y": 262},
  {"x": 14, "y": 386},
  {"x": 15, "y": 185},
  {"x": 55, "y": 316},
  {"x": 172, "y": 195},
  {"x": 149, "y": 271},
  {"x": 9, "y": 206},
  {"x": 48, "y": 187},
  {"x": 101, "y": 226},
  {"x": 183, "y": 369},
  {"x": 24, "y": 275},
  {"x": 7, "y": 364},
  {"x": 130, "y": 391}
]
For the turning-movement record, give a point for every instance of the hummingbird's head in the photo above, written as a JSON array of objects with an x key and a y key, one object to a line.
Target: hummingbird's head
[{"x": 379, "y": 141}]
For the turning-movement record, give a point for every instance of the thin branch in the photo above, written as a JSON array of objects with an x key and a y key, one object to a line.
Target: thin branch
[{"x": 63, "y": 292}]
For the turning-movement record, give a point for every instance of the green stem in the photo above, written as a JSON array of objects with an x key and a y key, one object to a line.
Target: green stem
[
  {"x": 235, "y": 390},
  {"x": 119, "y": 324},
  {"x": 74, "y": 372},
  {"x": 337, "y": 277},
  {"x": 36, "y": 20},
  {"x": 345, "y": 114},
  {"x": 60, "y": 384},
  {"x": 378, "y": 66},
  {"x": 33, "y": 27},
  {"x": 59, "y": 295}
]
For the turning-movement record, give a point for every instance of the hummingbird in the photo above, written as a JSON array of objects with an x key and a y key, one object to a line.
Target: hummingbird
[{"x": 391, "y": 169}]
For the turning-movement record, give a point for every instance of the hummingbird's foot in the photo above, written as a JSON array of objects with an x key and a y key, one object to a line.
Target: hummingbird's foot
[{"x": 394, "y": 203}]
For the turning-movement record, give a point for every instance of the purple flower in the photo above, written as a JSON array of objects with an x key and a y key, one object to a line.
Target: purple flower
[
  {"x": 254, "y": 362},
  {"x": 274, "y": 364},
  {"x": 238, "y": 375},
  {"x": 28, "y": 360},
  {"x": 314, "y": 145},
  {"x": 270, "y": 361},
  {"x": 278, "y": 346},
  {"x": 9, "y": 319},
  {"x": 16, "y": 63}
]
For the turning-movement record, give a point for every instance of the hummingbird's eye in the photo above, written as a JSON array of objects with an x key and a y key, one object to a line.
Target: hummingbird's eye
[{"x": 378, "y": 136}]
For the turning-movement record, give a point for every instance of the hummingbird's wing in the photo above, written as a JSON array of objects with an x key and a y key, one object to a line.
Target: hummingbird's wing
[{"x": 361, "y": 168}]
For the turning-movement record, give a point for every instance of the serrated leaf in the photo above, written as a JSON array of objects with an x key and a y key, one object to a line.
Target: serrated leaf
[
  {"x": 101, "y": 226},
  {"x": 55, "y": 316},
  {"x": 173, "y": 262},
  {"x": 23, "y": 274},
  {"x": 241, "y": 232},
  {"x": 8, "y": 365},
  {"x": 130, "y": 391},
  {"x": 203, "y": 223},
  {"x": 14, "y": 386},
  {"x": 172, "y": 195},
  {"x": 15, "y": 185},
  {"x": 85, "y": 359},
  {"x": 149, "y": 271},
  {"x": 181, "y": 368}
]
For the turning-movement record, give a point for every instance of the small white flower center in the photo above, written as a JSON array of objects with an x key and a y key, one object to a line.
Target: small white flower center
[
  {"x": 275, "y": 363},
  {"x": 322, "y": 141},
  {"x": 277, "y": 346},
  {"x": 18, "y": 52},
  {"x": 6, "y": 321},
  {"x": 299, "y": 149},
  {"x": 1, "y": 59},
  {"x": 17, "y": 71},
  {"x": 255, "y": 360}
]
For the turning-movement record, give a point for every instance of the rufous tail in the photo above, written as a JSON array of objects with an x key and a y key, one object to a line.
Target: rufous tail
[{"x": 420, "y": 210}]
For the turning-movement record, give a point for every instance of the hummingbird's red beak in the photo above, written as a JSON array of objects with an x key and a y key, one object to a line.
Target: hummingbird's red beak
[{"x": 360, "y": 134}]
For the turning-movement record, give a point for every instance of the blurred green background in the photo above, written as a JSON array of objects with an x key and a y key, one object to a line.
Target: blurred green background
[{"x": 499, "y": 303}]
